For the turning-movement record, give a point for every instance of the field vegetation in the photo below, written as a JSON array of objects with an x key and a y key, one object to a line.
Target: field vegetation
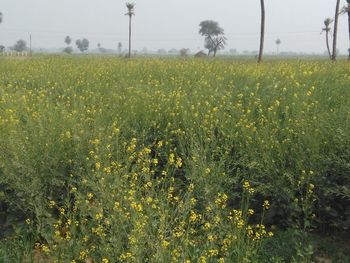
[{"x": 173, "y": 160}]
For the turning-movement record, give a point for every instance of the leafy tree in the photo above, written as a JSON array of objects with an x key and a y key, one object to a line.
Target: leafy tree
[
  {"x": 83, "y": 44},
  {"x": 335, "y": 31},
  {"x": 130, "y": 13},
  {"x": 2, "y": 48},
  {"x": 262, "y": 31},
  {"x": 214, "y": 44},
  {"x": 208, "y": 45},
  {"x": 278, "y": 43},
  {"x": 68, "y": 40},
  {"x": 68, "y": 50},
  {"x": 20, "y": 46},
  {"x": 184, "y": 52},
  {"x": 214, "y": 36},
  {"x": 327, "y": 22}
]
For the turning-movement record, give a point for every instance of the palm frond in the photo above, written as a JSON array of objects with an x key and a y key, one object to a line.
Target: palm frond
[
  {"x": 345, "y": 9},
  {"x": 130, "y": 7},
  {"x": 328, "y": 21}
]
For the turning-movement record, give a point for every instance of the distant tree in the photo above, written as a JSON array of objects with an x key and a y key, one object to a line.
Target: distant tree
[
  {"x": 82, "y": 45},
  {"x": 130, "y": 13},
  {"x": 215, "y": 44},
  {"x": 120, "y": 46},
  {"x": 2, "y": 48},
  {"x": 173, "y": 51},
  {"x": 68, "y": 40},
  {"x": 335, "y": 30},
  {"x": 1, "y": 17},
  {"x": 214, "y": 36},
  {"x": 278, "y": 43},
  {"x": 208, "y": 45},
  {"x": 184, "y": 52},
  {"x": 346, "y": 10},
  {"x": 20, "y": 46},
  {"x": 68, "y": 50},
  {"x": 161, "y": 51},
  {"x": 327, "y": 22},
  {"x": 262, "y": 31}
]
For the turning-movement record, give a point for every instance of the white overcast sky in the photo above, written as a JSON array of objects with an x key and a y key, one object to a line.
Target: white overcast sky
[{"x": 170, "y": 23}]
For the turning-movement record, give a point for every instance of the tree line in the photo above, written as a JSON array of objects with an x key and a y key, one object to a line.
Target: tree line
[{"x": 214, "y": 37}]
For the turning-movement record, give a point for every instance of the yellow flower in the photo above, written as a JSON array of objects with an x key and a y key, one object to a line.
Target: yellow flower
[
  {"x": 52, "y": 203},
  {"x": 178, "y": 162},
  {"x": 165, "y": 243},
  {"x": 171, "y": 158},
  {"x": 98, "y": 216},
  {"x": 246, "y": 185},
  {"x": 45, "y": 249},
  {"x": 266, "y": 204},
  {"x": 213, "y": 252}
]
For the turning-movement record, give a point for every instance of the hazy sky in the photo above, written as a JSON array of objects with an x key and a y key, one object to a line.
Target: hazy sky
[{"x": 170, "y": 23}]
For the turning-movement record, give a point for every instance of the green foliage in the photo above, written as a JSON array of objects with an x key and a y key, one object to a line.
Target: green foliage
[
  {"x": 214, "y": 35},
  {"x": 68, "y": 40},
  {"x": 170, "y": 160},
  {"x": 82, "y": 45},
  {"x": 68, "y": 50},
  {"x": 20, "y": 46}
]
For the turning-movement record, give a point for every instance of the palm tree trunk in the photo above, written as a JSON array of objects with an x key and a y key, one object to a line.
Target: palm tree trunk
[
  {"x": 335, "y": 33},
  {"x": 327, "y": 43},
  {"x": 129, "y": 36},
  {"x": 262, "y": 31},
  {"x": 349, "y": 27}
]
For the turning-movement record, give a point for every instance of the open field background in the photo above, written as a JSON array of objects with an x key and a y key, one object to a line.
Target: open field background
[{"x": 169, "y": 160}]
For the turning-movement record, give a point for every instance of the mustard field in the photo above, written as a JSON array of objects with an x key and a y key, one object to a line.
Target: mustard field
[{"x": 172, "y": 160}]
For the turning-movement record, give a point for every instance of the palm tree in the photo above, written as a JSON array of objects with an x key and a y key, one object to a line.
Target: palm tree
[
  {"x": 327, "y": 22},
  {"x": 346, "y": 10},
  {"x": 335, "y": 33},
  {"x": 278, "y": 43},
  {"x": 130, "y": 13},
  {"x": 262, "y": 30}
]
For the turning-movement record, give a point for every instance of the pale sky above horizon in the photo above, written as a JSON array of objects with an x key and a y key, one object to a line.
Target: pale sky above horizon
[{"x": 170, "y": 24}]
